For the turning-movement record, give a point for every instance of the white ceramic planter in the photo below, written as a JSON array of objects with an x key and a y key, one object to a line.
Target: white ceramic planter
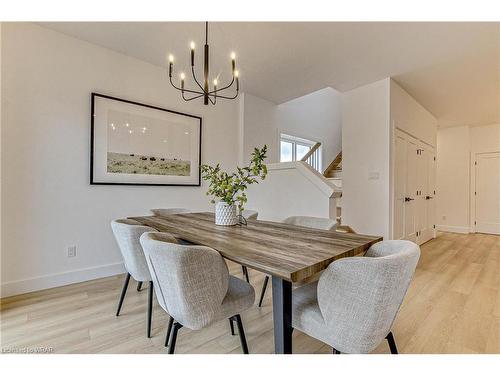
[{"x": 225, "y": 214}]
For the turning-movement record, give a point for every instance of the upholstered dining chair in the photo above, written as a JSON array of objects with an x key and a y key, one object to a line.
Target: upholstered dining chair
[
  {"x": 194, "y": 287},
  {"x": 250, "y": 214},
  {"x": 302, "y": 221},
  {"x": 127, "y": 233},
  {"x": 354, "y": 304},
  {"x": 311, "y": 222},
  {"x": 169, "y": 211}
]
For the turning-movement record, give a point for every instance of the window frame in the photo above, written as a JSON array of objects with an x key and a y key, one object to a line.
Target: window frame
[{"x": 301, "y": 142}]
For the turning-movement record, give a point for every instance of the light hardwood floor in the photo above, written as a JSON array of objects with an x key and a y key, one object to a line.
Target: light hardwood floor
[{"x": 452, "y": 306}]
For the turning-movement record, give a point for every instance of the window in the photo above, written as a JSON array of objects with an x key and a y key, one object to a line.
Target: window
[{"x": 294, "y": 148}]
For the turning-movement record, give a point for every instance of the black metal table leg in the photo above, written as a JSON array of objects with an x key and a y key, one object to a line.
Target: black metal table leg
[{"x": 282, "y": 315}]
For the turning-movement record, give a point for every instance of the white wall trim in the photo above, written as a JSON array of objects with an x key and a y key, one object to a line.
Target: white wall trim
[
  {"x": 309, "y": 172},
  {"x": 453, "y": 229},
  {"x": 16, "y": 287}
]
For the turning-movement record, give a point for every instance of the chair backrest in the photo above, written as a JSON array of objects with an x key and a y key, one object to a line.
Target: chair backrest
[
  {"x": 250, "y": 214},
  {"x": 169, "y": 211},
  {"x": 127, "y": 234},
  {"x": 191, "y": 281},
  {"x": 359, "y": 297},
  {"x": 311, "y": 222}
]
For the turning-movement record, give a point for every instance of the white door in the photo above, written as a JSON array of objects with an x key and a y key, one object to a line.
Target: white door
[
  {"x": 400, "y": 171},
  {"x": 411, "y": 189},
  {"x": 420, "y": 206},
  {"x": 427, "y": 221},
  {"x": 488, "y": 193}
]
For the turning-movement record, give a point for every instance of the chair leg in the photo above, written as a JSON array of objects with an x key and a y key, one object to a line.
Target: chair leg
[
  {"x": 263, "y": 292},
  {"x": 169, "y": 330},
  {"x": 335, "y": 351},
  {"x": 173, "y": 339},
  {"x": 231, "y": 324},
  {"x": 392, "y": 343},
  {"x": 150, "y": 307},
  {"x": 139, "y": 286},
  {"x": 241, "y": 332},
  {"x": 122, "y": 296},
  {"x": 245, "y": 273}
]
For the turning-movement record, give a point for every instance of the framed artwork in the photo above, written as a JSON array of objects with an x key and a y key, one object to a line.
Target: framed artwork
[{"x": 139, "y": 144}]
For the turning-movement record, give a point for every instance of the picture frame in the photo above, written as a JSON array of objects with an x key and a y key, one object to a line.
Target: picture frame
[{"x": 133, "y": 143}]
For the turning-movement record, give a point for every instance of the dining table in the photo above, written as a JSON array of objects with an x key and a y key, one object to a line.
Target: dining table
[{"x": 288, "y": 253}]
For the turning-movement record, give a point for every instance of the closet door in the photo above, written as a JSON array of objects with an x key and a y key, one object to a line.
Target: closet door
[
  {"x": 400, "y": 170},
  {"x": 411, "y": 189},
  {"x": 426, "y": 202}
]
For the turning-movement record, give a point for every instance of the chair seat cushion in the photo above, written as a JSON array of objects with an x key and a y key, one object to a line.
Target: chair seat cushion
[
  {"x": 306, "y": 315},
  {"x": 240, "y": 296}
]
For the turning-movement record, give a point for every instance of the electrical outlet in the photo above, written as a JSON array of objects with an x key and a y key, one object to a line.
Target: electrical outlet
[
  {"x": 71, "y": 251},
  {"x": 444, "y": 217}
]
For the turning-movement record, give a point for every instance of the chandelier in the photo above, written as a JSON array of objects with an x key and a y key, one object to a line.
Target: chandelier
[{"x": 209, "y": 95}]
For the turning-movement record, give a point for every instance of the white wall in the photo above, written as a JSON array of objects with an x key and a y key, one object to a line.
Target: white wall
[
  {"x": 410, "y": 116},
  {"x": 47, "y": 202},
  {"x": 485, "y": 138},
  {"x": 1, "y": 131},
  {"x": 311, "y": 195},
  {"x": 452, "y": 179},
  {"x": 456, "y": 147},
  {"x": 365, "y": 158},
  {"x": 258, "y": 128},
  {"x": 316, "y": 116}
]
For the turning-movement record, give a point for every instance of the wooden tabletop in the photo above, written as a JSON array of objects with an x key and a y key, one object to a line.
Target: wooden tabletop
[{"x": 290, "y": 252}]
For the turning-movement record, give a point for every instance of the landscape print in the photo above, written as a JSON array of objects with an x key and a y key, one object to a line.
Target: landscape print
[
  {"x": 143, "y": 164},
  {"x": 144, "y": 145}
]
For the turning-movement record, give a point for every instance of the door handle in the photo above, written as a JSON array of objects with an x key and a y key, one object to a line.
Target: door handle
[
  {"x": 428, "y": 197},
  {"x": 407, "y": 199}
]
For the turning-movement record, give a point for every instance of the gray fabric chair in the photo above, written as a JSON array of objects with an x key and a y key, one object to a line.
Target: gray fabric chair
[
  {"x": 302, "y": 221},
  {"x": 169, "y": 211},
  {"x": 250, "y": 214},
  {"x": 311, "y": 222},
  {"x": 193, "y": 286},
  {"x": 354, "y": 304},
  {"x": 127, "y": 233}
]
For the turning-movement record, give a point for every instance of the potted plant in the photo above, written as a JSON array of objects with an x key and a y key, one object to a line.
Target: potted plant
[{"x": 228, "y": 190}]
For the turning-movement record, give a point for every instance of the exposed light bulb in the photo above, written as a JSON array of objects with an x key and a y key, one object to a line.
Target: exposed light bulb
[
  {"x": 236, "y": 73},
  {"x": 126, "y": 124},
  {"x": 171, "y": 58},
  {"x": 215, "y": 82},
  {"x": 183, "y": 76},
  {"x": 233, "y": 55},
  {"x": 193, "y": 45},
  {"x": 130, "y": 131}
]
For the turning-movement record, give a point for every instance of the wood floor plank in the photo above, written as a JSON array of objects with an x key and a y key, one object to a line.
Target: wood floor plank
[{"x": 452, "y": 306}]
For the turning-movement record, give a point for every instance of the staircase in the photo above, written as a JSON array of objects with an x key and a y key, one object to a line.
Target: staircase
[
  {"x": 334, "y": 170},
  {"x": 334, "y": 175}
]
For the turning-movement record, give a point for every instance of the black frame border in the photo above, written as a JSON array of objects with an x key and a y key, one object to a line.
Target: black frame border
[{"x": 92, "y": 108}]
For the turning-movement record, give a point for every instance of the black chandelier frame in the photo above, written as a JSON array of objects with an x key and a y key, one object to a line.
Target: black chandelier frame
[{"x": 209, "y": 96}]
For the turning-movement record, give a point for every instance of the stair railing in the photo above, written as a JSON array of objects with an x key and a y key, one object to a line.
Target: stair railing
[{"x": 312, "y": 156}]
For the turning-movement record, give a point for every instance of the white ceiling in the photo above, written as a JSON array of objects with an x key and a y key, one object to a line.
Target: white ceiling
[{"x": 452, "y": 69}]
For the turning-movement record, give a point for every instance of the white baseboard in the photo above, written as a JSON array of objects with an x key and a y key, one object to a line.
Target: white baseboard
[
  {"x": 452, "y": 228},
  {"x": 12, "y": 288}
]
